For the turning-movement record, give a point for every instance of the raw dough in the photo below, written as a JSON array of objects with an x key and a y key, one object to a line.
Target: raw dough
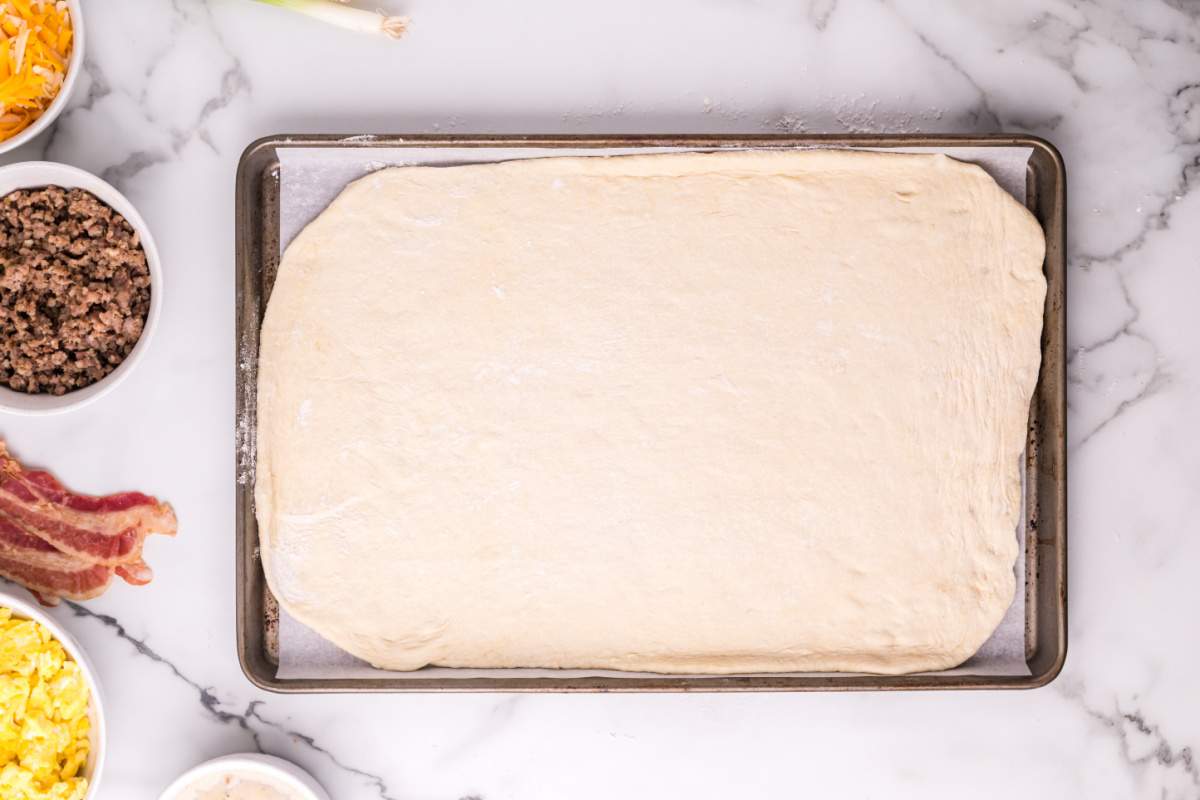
[{"x": 736, "y": 412}]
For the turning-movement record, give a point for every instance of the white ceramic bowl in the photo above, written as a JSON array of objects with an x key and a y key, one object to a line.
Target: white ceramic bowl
[
  {"x": 269, "y": 768},
  {"x": 33, "y": 174},
  {"x": 95, "y": 763},
  {"x": 74, "y": 67}
]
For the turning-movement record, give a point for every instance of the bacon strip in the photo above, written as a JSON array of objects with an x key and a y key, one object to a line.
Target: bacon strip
[
  {"x": 49, "y": 584},
  {"x": 14, "y": 537},
  {"x": 105, "y": 530},
  {"x": 58, "y": 543},
  {"x": 136, "y": 574},
  {"x": 49, "y": 572}
]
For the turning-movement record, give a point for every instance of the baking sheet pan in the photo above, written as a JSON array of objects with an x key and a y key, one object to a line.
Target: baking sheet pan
[{"x": 258, "y": 225}]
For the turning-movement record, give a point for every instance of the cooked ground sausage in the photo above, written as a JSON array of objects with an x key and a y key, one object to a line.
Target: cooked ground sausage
[{"x": 74, "y": 289}]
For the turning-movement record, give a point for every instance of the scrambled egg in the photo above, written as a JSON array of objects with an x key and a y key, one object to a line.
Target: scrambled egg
[{"x": 43, "y": 715}]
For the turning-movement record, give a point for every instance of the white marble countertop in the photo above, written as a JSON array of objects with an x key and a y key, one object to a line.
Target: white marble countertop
[{"x": 175, "y": 90}]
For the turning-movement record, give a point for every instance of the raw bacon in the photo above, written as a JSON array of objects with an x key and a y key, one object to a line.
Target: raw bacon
[
  {"x": 58, "y": 543},
  {"x": 48, "y": 585}
]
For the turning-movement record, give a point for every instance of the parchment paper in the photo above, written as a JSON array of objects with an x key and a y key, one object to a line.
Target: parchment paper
[{"x": 310, "y": 178}]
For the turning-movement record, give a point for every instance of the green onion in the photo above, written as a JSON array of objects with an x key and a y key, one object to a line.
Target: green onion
[{"x": 348, "y": 17}]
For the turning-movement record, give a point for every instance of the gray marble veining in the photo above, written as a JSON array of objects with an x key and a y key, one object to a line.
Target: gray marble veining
[{"x": 175, "y": 90}]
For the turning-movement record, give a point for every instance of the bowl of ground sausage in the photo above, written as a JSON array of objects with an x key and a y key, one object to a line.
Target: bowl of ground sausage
[{"x": 80, "y": 287}]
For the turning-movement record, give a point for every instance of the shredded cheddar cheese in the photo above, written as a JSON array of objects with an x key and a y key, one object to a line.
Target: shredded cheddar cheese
[{"x": 35, "y": 45}]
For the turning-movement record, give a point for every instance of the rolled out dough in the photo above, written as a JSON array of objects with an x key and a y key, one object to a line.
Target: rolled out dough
[{"x": 734, "y": 412}]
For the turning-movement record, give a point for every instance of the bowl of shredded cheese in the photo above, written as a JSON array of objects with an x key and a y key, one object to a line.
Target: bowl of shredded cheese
[
  {"x": 41, "y": 56},
  {"x": 51, "y": 719}
]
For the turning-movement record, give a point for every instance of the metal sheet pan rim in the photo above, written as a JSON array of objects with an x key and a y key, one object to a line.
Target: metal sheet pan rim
[{"x": 1049, "y": 584}]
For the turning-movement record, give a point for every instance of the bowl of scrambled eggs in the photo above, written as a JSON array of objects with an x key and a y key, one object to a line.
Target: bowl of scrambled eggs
[{"x": 51, "y": 719}]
